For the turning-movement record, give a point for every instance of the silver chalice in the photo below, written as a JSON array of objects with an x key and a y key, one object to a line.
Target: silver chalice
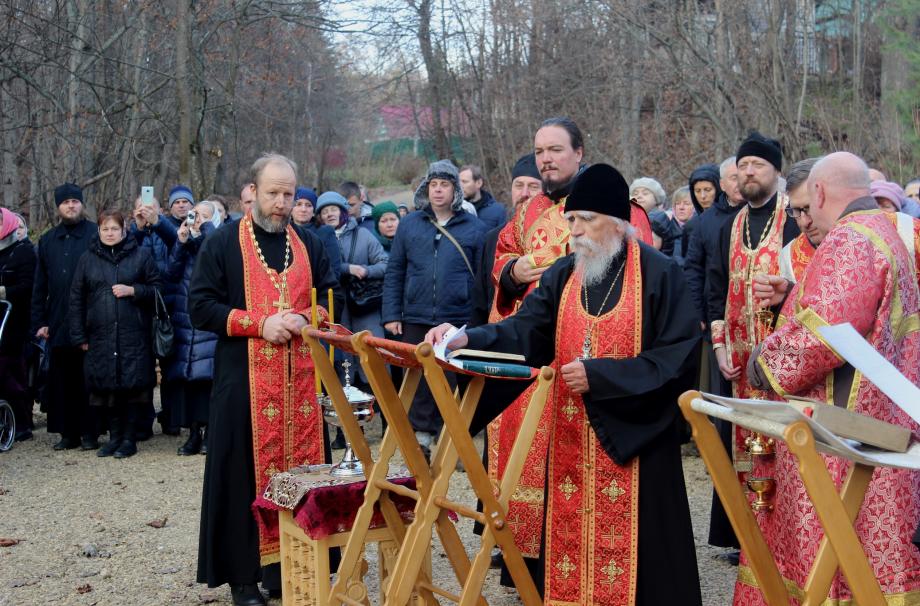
[{"x": 362, "y": 407}]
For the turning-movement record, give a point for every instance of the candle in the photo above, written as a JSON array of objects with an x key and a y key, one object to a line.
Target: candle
[
  {"x": 331, "y": 320},
  {"x": 315, "y": 323}
]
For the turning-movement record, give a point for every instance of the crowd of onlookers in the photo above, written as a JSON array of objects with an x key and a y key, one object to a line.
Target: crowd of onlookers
[{"x": 79, "y": 338}]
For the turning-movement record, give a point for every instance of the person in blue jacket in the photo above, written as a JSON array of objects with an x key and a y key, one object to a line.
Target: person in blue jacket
[
  {"x": 429, "y": 277},
  {"x": 191, "y": 367},
  {"x": 303, "y": 216}
]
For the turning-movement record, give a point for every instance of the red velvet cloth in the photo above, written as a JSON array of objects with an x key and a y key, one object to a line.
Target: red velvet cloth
[{"x": 330, "y": 509}]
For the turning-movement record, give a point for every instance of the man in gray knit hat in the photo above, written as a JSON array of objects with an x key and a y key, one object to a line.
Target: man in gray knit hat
[{"x": 430, "y": 274}]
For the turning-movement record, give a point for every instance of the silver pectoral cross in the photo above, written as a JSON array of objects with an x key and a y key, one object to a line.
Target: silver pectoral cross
[{"x": 586, "y": 347}]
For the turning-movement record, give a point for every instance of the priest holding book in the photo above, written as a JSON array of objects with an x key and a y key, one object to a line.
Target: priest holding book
[{"x": 611, "y": 319}]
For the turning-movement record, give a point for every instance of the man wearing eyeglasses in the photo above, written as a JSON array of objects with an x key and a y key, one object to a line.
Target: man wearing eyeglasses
[{"x": 796, "y": 255}]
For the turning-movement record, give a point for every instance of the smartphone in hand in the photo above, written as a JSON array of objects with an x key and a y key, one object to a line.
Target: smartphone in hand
[{"x": 147, "y": 195}]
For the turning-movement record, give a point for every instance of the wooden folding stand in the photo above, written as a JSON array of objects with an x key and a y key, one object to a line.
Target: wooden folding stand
[
  {"x": 840, "y": 546},
  {"x": 432, "y": 509}
]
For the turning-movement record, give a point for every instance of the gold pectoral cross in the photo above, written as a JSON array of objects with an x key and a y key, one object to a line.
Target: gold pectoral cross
[{"x": 282, "y": 302}]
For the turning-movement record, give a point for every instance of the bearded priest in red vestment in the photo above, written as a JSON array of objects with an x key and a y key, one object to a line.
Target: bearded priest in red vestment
[
  {"x": 862, "y": 274},
  {"x": 252, "y": 286},
  {"x": 535, "y": 238},
  {"x": 612, "y": 320}
]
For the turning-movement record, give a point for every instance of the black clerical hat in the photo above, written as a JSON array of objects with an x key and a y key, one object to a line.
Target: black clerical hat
[
  {"x": 600, "y": 188},
  {"x": 762, "y": 147}
]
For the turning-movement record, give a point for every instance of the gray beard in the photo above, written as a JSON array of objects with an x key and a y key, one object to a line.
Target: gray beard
[
  {"x": 266, "y": 223},
  {"x": 595, "y": 268}
]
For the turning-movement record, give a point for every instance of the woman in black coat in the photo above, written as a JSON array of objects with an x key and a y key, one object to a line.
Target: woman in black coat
[{"x": 111, "y": 318}]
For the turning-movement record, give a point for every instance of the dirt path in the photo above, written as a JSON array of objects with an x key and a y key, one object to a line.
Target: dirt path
[{"x": 85, "y": 534}]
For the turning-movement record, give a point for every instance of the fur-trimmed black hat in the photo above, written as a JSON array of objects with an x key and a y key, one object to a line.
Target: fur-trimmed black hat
[
  {"x": 600, "y": 188},
  {"x": 763, "y": 147}
]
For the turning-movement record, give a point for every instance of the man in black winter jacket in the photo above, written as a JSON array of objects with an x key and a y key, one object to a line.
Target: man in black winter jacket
[{"x": 66, "y": 399}]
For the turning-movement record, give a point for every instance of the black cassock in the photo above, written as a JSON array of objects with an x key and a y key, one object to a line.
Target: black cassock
[
  {"x": 632, "y": 405},
  {"x": 228, "y": 544}
]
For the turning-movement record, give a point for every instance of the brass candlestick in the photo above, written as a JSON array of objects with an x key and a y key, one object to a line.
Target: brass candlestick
[{"x": 758, "y": 445}]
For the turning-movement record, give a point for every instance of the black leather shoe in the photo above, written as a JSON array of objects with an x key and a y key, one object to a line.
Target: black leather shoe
[
  {"x": 204, "y": 442},
  {"x": 109, "y": 448},
  {"x": 88, "y": 443},
  {"x": 192, "y": 446},
  {"x": 247, "y": 595},
  {"x": 25, "y": 434},
  {"x": 67, "y": 444},
  {"x": 127, "y": 449}
]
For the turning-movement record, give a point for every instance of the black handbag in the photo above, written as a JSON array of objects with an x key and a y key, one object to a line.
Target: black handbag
[
  {"x": 162, "y": 327},
  {"x": 362, "y": 296}
]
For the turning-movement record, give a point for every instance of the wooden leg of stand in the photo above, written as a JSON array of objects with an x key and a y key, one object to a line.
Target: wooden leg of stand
[
  {"x": 515, "y": 467},
  {"x": 826, "y": 563},
  {"x": 736, "y": 504},
  {"x": 834, "y": 516},
  {"x": 427, "y": 513}
]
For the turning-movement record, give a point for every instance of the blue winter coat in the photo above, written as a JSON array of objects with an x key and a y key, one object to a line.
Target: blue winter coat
[
  {"x": 490, "y": 211},
  {"x": 193, "y": 357},
  {"x": 159, "y": 239},
  {"x": 427, "y": 280},
  {"x": 326, "y": 235}
]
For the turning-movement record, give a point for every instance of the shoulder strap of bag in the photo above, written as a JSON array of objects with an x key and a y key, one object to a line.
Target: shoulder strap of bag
[
  {"x": 159, "y": 305},
  {"x": 453, "y": 241},
  {"x": 354, "y": 242}
]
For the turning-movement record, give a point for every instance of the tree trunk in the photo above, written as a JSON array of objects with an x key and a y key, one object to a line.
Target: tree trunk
[{"x": 183, "y": 92}]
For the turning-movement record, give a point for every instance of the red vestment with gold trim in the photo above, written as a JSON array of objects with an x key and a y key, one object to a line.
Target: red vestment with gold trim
[
  {"x": 742, "y": 327},
  {"x": 860, "y": 274},
  {"x": 795, "y": 258},
  {"x": 592, "y": 503},
  {"x": 287, "y": 424}
]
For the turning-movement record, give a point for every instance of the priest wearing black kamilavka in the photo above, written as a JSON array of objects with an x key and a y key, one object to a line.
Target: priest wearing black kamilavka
[
  {"x": 252, "y": 286},
  {"x": 612, "y": 320}
]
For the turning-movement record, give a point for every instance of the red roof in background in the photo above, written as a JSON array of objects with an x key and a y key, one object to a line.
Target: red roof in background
[{"x": 399, "y": 121}]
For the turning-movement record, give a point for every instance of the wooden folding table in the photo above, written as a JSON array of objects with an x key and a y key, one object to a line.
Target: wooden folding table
[
  {"x": 408, "y": 577},
  {"x": 839, "y": 548}
]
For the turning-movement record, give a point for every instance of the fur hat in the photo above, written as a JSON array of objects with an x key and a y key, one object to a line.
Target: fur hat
[
  {"x": 600, "y": 189},
  {"x": 442, "y": 169}
]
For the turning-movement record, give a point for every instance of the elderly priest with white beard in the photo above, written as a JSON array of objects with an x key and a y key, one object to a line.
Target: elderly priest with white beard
[{"x": 614, "y": 320}]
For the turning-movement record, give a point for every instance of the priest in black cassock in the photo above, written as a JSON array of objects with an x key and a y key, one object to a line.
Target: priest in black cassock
[
  {"x": 614, "y": 319},
  {"x": 252, "y": 286}
]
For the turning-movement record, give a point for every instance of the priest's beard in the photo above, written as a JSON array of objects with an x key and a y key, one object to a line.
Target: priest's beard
[
  {"x": 593, "y": 260},
  {"x": 270, "y": 224}
]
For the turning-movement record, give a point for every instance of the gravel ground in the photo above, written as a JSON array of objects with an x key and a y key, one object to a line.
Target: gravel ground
[{"x": 106, "y": 531}]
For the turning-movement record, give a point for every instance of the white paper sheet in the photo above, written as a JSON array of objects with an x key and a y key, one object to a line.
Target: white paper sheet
[
  {"x": 440, "y": 348},
  {"x": 772, "y": 418},
  {"x": 850, "y": 346}
]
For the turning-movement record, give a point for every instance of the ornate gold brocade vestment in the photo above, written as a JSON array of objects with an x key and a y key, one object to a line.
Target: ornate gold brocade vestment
[
  {"x": 592, "y": 504},
  {"x": 287, "y": 424}
]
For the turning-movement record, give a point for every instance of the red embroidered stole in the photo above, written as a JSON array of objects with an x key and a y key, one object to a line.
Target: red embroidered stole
[
  {"x": 740, "y": 308},
  {"x": 287, "y": 424},
  {"x": 800, "y": 254},
  {"x": 538, "y": 230},
  {"x": 592, "y": 503},
  {"x": 638, "y": 218}
]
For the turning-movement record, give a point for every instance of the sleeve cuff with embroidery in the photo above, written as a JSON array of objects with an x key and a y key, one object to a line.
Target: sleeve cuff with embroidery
[
  {"x": 245, "y": 323},
  {"x": 717, "y": 329}
]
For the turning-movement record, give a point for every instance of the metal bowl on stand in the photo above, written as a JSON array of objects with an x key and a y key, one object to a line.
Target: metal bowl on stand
[{"x": 362, "y": 407}]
